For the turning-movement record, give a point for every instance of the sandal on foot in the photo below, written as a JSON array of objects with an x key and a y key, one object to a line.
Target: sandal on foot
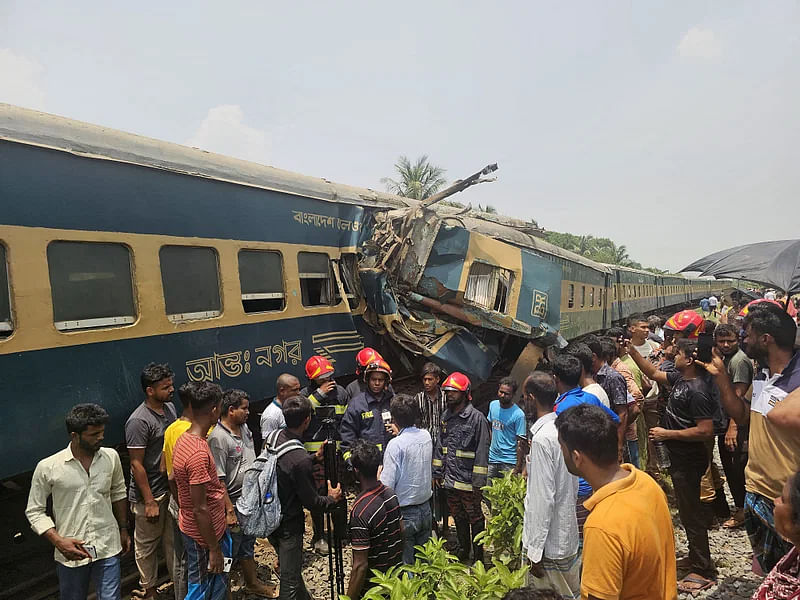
[
  {"x": 697, "y": 583},
  {"x": 736, "y": 520}
]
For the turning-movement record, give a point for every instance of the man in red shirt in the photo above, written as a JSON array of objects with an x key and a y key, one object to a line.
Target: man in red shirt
[{"x": 201, "y": 500}]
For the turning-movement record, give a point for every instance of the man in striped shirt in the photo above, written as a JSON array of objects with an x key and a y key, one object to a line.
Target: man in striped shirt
[
  {"x": 376, "y": 523},
  {"x": 201, "y": 500}
]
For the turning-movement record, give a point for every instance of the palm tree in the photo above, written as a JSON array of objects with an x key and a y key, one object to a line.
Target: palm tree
[
  {"x": 621, "y": 255},
  {"x": 418, "y": 180},
  {"x": 586, "y": 245}
]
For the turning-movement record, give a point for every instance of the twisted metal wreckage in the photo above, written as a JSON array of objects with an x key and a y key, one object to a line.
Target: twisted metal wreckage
[{"x": 466, "y": 291}]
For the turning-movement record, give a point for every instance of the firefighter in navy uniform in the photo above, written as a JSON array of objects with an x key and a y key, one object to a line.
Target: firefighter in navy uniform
[
  {"x": 321, "y": 390},
  {"x": 367, "y": 416},
  {"x": 461, "y": 463},
  {"x": 364, "y": 357}
]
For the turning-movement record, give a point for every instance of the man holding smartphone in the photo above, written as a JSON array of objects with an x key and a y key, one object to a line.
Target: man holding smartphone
[
  {"x": 686, "y": 426},
  {"x": 89, "y": 527}
]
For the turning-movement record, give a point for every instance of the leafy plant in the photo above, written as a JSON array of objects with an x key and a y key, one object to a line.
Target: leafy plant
[
  {"x": 503, "y": 532},
  {"x": 438, "y": 574},
  {"x": 417, "y": 180}
]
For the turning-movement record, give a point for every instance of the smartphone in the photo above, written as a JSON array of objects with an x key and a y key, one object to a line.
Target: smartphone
[
  {"x": 705, "y": 343},
  {"x": 227, "y": 563},
  {"x": 91, "y": 551}
]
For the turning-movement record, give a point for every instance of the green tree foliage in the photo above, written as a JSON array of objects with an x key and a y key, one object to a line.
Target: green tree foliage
[
  {"x": 417, "y": 180},
  {"x": 599, "y": 249},
  {"x": 438, "y": 574},
  {"x": 503, "y": 532}
]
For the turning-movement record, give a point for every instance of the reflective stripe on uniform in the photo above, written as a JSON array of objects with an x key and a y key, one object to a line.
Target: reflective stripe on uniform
[
  {"x": 444, "y": 449},
  {"x": 347, "y": 455},
  {"x": 464, "y": 454},
  {"x": 380, "y": 447},
  {"x": 480, "y": 470},
  {"x": 340, "y": 408},
  {"x": 437, "y": 462},
  {"x": 314, "y": 446},
  {"x": 466, "y": 487},
  {"x": 314, "y": 401}
]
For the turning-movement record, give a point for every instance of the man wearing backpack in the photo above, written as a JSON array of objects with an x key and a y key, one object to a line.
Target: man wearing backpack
[
  {"x": 297, "y": 490},
  {"x": 233, "y": 450}
]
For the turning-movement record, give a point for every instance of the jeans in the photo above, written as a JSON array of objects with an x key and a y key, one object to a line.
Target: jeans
[
  {"x": 686, "y": 472},
  {"x": 633, "y": 452},
  {"x": 417, "y": 521},
  {"x": 73, "y": 582},
  {"x": 179, "y": 577},
  {"x": 499, "y": 469},
  {"x": 289, "y": 547}
]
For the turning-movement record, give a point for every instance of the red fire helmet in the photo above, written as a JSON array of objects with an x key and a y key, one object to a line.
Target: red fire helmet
[
  {"x": 746, "y": 309},
  {"x": 366, "y": 356},
  {"x": 318, "y": 366},
  {"x": 459, "y": 383},
  {"x": 687, "y": 321}
]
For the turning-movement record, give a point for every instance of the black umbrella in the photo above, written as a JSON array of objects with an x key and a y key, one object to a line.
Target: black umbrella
[{"x": 775, "y": 264}]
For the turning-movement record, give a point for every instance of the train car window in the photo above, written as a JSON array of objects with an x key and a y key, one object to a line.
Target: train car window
[
  {"x": 583, "y": 296},
  {"x": 190, "y": 276},
  {"x": 316, "y": 281},
  {"x": 600, "y": 292},
  {"x": 348, "y": 273},
  {"x": 591, "y": 296},
  {"x": 615, "y": 292},
  {"x": 571, "y": 301},
  {"x": 91, "y": 285},
  {"x": 261, "y": 279},
  {"x": 6, "y": 324},
  {"x": 489, "y": 286}
]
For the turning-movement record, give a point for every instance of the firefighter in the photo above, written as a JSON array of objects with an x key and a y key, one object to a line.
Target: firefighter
[
  {"x": 364, "y": 357},
  {"x": 367, "y": 416},
  {"x": 321, "y": 390},
  {"x": 461, "y": 463}
]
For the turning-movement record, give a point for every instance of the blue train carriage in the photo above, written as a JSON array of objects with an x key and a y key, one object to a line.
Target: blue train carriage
[
  {"x": 672, "y": 289},
  {"x": 633, "y": 291},
  {"x": 463, "y": 290},
  {"x": 117, "y": 250},
  {"x": 581, "y": 295}
]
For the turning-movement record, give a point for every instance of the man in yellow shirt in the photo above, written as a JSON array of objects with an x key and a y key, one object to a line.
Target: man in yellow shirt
[{"x": 628, "y": 544}]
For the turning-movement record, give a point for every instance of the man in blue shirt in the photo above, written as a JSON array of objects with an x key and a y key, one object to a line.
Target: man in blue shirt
[
  {"x": 508, "y": 429},
  {"x": 407, "y": 470},
  {"x": 567, "y": 374}
]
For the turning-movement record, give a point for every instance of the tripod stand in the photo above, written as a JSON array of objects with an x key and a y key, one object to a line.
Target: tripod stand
[{"x": 336, "y": 516}]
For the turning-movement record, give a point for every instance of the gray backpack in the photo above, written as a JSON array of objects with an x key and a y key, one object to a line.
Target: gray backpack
[{"x": 259, "y": 507}]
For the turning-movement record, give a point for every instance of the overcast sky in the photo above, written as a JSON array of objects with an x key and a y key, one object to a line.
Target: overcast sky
[{"x": 671, "y": 127}]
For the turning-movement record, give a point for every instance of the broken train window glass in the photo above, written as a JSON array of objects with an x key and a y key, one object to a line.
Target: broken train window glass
[
  {"x": 348, "y": 274},
  {"x": 489, "y": 286}
]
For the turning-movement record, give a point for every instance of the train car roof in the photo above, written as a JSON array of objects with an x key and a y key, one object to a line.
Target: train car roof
[
  {"x": 59, "y": 133},
  {"x": 632, "y": 270}
]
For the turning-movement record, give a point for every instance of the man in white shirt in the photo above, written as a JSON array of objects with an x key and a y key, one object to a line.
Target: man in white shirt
[
  {"x": 89, "y": 528},
  {"x": 286, "y": 387},
  {"x": 550, "y": 526}
]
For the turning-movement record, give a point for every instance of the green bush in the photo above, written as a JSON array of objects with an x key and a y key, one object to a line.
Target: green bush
[
  {"x": 504, "y": 529},
  {"x": 438, "y": 574}
]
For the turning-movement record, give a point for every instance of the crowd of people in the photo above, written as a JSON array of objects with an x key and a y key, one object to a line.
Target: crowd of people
[{"x": 643, "y": 396}]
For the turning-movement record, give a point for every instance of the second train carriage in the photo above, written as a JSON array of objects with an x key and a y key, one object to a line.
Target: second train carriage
[{"x": 116, "y": 250}]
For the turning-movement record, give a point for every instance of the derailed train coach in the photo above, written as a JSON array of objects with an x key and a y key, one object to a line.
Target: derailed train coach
[{"x": 117, "y": 250}]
